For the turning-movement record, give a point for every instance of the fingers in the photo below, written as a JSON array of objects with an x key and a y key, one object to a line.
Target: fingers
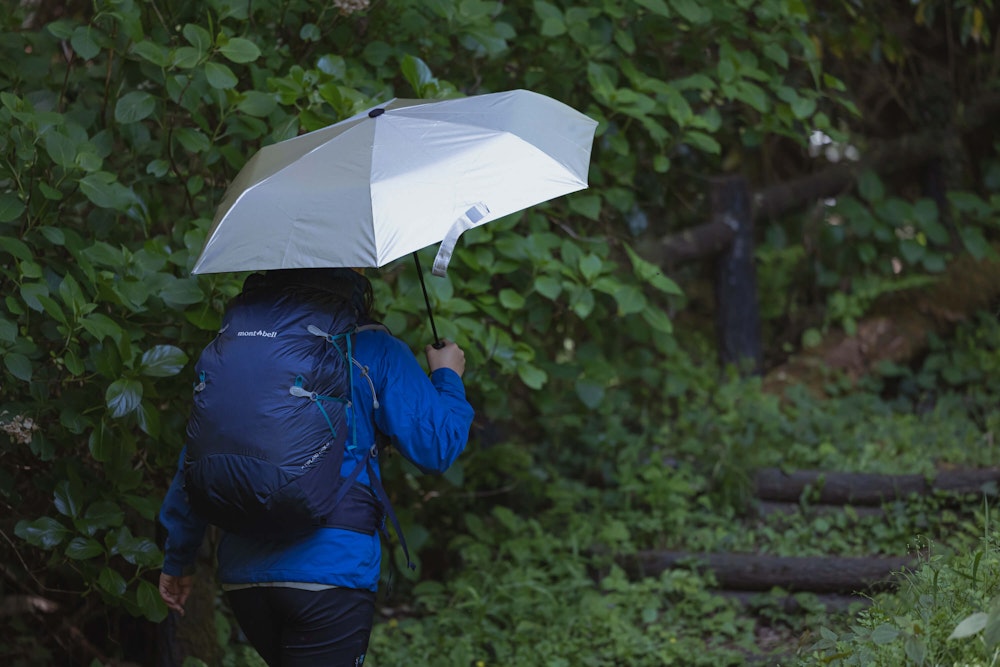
[
  {"x": 449, "y": 355},
  {"x": 172, "y": 602},
  {"x": 184, "y": 590},
  {"x": 174, "y": 591}
]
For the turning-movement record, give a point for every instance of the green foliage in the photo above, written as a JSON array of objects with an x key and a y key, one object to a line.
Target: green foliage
[
  {"x": 525, "y": 594},
  {"x": 536, "y": 561},
  {"x": 944, "y": 614},
  {"x": 872, "y": 245},
  {"x": 121, "y": 123},
  {"x": 550, "y": 575}
]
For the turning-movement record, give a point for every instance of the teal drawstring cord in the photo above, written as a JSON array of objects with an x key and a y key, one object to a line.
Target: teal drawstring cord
[
  {"x": 299, "y": 390},
  {"x": 348, "y": 358},
  {"x": 350, "y": 380}
]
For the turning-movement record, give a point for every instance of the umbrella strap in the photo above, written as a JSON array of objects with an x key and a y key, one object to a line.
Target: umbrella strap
[{"x": 471, "y": 218}]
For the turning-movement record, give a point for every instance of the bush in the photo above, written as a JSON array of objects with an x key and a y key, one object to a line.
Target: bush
[{"x": 945, "y": 613}]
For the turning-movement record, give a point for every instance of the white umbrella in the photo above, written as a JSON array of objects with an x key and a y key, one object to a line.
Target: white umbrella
[{"x": 402, "y": 176}]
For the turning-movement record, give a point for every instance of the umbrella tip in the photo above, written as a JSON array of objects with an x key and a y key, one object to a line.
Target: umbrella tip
[{"x": 374, "y": 113}]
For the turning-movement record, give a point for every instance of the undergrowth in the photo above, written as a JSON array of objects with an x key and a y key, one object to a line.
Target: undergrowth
[
  {"x": 531, "y": 566},
  {"x": 538, "y": 578},
  {"x": 947, "y": 612}
]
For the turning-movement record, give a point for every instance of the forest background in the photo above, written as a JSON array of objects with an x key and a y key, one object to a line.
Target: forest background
[{"x": 609, "y": 423}]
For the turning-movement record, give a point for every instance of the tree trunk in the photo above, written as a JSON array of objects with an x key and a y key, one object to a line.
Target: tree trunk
[{"x": 737, "y": 322}]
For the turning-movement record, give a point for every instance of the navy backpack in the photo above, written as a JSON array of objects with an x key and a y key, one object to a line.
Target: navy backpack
[{"x": 269, "y": 425}]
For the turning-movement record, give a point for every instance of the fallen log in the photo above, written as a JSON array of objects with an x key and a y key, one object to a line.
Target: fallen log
[
  {"x": 867, "y": 488},
  {"x": 791, "y": 604},
  {"x": 766, "y": 508},
  {"x": 762, "y": 572}
]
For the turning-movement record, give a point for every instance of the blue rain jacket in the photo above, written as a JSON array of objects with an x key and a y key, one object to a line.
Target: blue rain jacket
[{"x": 428, "y": 421}]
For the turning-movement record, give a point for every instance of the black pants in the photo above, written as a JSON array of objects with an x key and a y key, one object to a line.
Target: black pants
[{"x": 295, "y": 628}]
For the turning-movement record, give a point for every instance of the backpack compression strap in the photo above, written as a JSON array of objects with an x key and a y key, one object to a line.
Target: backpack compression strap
[{"x": 372, "y": 453}]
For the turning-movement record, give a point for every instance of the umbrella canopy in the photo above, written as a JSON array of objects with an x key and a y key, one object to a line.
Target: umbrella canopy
[{"x": 402, "y": 176}]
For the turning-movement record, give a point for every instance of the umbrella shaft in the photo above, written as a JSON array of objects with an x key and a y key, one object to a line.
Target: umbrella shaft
[{"x": 430, "y": 314}]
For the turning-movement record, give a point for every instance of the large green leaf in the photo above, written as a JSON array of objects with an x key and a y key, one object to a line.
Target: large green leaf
[
  {"x": 240, "y": 50},
  {"x": 82, "y": 548},
  {"x": 61, "y": 148},
  {"x": 11, "y": 207},
  {"x": 8, "y": 331},
  {"x": 531, "y": 375},
  {"x": 220, "y": 76},
  {"x": 182, "y": 292},
  {"x": 111, "y": 582},
  {"x": 150, "y": 602},
  {"x": 68, "y": 498},
  {"x": 511, "y": 300},
  {"x": 548, "y": 287},
  {"x": 15, "y": 247},
  {"x": 257, "y": 103},
  {"x": 198, "y": 37},
  {"x": 162, "y": 361},
  {"x": 136, "y": 550},
  {"x": 648, "y": 272},
  {"x": 101, "y": 326},
  {"x": 84, "y": 41},
  {"x": 100, "y": 515},
  {"x": 153, "y": 52},
  {"x": 630, "y": 300},
  {"x": 149, "y": 419},
  {"x": 656, "y": 6},
  {"x": 416, "y": 72},
  {"x": 135, "y": 106},
  {"x": 692, "y": 11},
  {"x": 590, "y": 267},
  {"x": 19, "y": 365},
  {"x": 44, "y": 532},
  {"x": 590, "y": 393},
  {"x": 658, "y": 320},
  {"x": 123, "y": 397}
]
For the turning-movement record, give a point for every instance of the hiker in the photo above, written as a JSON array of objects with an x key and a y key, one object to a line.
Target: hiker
[{"x": 308, "y": 598}]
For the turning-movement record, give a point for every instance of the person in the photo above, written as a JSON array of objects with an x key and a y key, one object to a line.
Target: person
[{"x": 311, "y": 600}]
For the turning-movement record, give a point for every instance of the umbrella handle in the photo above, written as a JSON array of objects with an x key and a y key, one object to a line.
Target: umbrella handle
[{"x": 438, "y": 343}]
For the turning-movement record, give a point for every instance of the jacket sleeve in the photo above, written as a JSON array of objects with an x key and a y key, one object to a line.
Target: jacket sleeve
[
  {"x": 428, "y": 419},
  {"x": 185, "y": 530}
]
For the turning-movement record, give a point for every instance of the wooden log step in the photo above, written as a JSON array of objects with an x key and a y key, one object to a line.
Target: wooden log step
[
  {"x": 767, "y": 508},
  {"x": 762, "y": 572},
  {"x": 867, "y": 488},
  {"x": 788, "y": 603}
]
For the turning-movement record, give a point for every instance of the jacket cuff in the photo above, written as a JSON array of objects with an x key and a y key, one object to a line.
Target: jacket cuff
[{"x": 175, "y": 568}]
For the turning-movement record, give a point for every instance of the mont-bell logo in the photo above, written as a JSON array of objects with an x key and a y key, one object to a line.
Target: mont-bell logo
[{"x": 258, "y": 334}]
